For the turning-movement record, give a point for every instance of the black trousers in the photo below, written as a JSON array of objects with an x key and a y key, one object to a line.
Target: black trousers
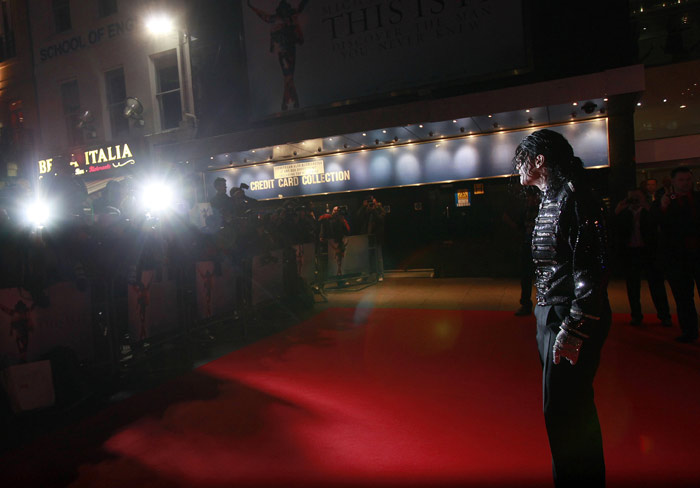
[
  {"x": 684, "y": 276},
  {"x": 637, "y": 262},
  {"x": 570, "y": 414}
]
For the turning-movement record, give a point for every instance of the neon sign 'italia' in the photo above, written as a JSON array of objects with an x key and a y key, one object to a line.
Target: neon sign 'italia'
[
  {"x": 108, "y": 157},
  {"x": 109, "y": 153}
]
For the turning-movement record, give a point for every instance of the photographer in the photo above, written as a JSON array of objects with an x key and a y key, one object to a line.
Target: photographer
[
  {"x": 334, "y": 230},
  {"x": 370, "y": 217},
  {"x": 679, "y": 211},
  {"x": 636, "y": 230}
]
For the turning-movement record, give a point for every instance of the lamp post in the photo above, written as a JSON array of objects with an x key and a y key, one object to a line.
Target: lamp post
[{"x": 160, "y": 25}]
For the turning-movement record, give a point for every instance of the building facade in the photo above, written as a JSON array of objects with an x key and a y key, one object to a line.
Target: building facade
[{"x": 18, "y": 109}]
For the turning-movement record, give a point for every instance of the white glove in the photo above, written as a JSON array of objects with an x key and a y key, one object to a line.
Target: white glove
[{"x": 567, "y": 345}]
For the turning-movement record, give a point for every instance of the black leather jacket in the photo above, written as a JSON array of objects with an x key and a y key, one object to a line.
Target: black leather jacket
[{"x": 570, "y": 252}]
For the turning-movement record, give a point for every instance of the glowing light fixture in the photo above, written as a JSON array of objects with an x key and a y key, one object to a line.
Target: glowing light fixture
[
  {"x": 157, "y": 197},
  {"x": 159, "y": 24},
  {"x": 38, "y": 213}
]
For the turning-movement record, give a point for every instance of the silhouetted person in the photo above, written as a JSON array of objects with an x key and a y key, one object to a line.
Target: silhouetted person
[
  {"x": 111, "y": 197},
  {"x": 569, "y": 249},
  {"x": 371, "y": 218},
  {"x": 679, "y": 211},
  {"x": 637, "y": 246},
  {"x": 334, "y": 230},
  {"x": 220, "y": 202}
]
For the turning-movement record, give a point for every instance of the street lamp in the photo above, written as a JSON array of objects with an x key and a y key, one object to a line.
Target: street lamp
[{"x": 161, "y": 24}]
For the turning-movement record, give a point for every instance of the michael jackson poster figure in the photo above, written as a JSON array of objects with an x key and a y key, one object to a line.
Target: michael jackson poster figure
[{"x": 570, "y": 254}]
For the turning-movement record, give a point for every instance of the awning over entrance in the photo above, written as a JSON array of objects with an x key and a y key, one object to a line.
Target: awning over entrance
[{"x": 441, "y": 161}]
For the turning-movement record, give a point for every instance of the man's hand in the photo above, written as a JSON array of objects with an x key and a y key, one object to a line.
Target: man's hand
[
  {"x": 665, "y": 202},
  {"x": 568, "y": 346}
]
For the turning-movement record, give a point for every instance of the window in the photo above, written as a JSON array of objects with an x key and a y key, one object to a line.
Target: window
[
  {"x": 115, "y": 88},
  {"x": 106, "y": 8},
  {"x": 71, "y": 111},
  {"x": 168, "y": 90},
  {"x": 61, "y": 15},
  {"x": 7, "y": 34}
]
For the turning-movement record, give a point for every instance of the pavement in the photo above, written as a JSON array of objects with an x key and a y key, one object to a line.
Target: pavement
[{"x": 418, "y": 290}]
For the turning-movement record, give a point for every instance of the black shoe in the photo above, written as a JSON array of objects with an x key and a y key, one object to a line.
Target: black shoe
[
  {"x": 686, "y": 339},
  {"x": 636, "y": 322},
  {"x": 523, "y": 311},
  {"x": 666, "y": 323}
]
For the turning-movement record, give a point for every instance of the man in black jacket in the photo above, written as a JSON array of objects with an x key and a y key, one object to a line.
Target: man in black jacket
[
  {"x": 637, "y": 245},
  {"x": 569, "y": 250},
  {"x": 680, "y": 227}
]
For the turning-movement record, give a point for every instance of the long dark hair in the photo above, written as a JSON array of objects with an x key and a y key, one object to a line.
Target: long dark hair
[{"x": 559, "y": 159}]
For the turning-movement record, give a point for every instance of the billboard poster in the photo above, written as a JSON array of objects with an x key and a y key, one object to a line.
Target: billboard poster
[
  {"x": 216, "y": 289},
  {"x": 303, "y": 53},
  {"x": 152, "y": 306},
  {"x": 28, "y": 331},
  {"x": 268, "y": 277},
  {"x": 440, "y": 161}
]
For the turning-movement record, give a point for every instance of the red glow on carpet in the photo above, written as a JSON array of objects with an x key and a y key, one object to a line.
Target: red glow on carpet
[{"x": 382, "y": 397}]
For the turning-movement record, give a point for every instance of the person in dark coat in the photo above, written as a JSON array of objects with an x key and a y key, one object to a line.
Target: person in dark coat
[
  {"x": 637, "y": 245},
  {"x": 570, "y": 253},
  {"x": 679, "y": 212}
]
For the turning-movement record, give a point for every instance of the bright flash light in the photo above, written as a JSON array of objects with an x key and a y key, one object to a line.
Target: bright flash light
[
  {"x": 159, "y": 24},
  {"x": 38, "y": 213},
  {"x": 157, "y": 197}
]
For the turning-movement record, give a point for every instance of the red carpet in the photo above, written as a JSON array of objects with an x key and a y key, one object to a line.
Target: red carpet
[{"x": 382, "y": 397}]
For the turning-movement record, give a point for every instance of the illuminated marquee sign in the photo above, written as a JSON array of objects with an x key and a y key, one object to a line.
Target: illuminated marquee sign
[
  {"x": 462, "y": 158},
  {"x": 94, "y": 160}
]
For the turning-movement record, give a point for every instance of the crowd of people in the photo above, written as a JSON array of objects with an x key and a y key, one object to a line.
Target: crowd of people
[
  {"x": 659, "y": 238},
  {"x": 655, "y": 232},
  {"x": 240, "y": 224}
]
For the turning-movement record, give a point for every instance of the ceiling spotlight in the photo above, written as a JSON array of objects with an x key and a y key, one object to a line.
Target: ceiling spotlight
[{"x": 575, "y": 104}]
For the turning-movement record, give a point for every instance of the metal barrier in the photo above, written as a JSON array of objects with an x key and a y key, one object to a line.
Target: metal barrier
[{"x": 123, "y": 303}]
